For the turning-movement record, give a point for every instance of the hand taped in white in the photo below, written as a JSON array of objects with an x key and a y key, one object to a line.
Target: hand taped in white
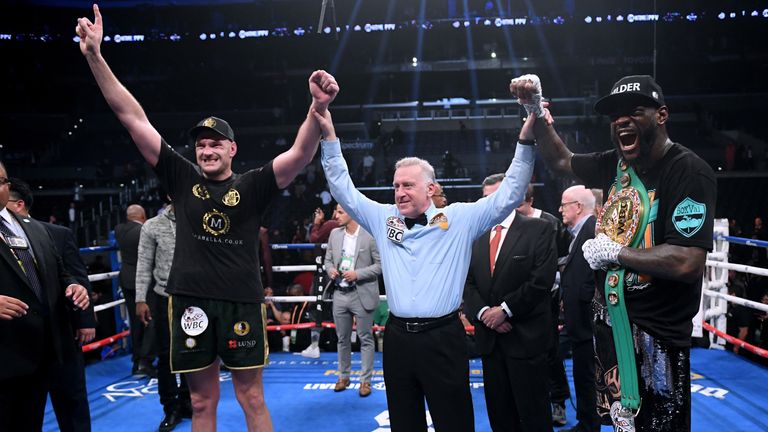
[
  {"x": 534, "y": 105},
  {"x": 601, "y": 252}
]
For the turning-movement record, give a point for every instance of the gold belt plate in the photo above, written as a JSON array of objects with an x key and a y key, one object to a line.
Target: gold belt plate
[{"x": 621, "y": 215}]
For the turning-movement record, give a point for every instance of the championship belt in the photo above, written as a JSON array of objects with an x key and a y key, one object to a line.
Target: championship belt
[{"x": 623, "y": 219}]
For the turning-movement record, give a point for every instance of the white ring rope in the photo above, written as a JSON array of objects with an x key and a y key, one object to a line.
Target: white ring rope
[
  {"x": 299, "y": 299},
  {"x": 738, "y": 300},
  {"x": 103, "y": 276},
  {"x": 713, "y": 304},
  {"x": 715, "y": 298},
  {"x": 714, "y": 284},
  {"x": 739, "y": 267},
  {"x": 104, "y": 306},
  {"x": 293, "y": 268},
  {"x": 719, "y": 256}
]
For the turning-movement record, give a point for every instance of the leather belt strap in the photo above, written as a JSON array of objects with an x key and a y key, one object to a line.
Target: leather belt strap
[
  {"x": 418, "y": 325},
  {"x": 345, "y": 289}
]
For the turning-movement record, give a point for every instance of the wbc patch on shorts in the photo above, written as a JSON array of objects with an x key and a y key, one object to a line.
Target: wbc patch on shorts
[{"x": 194, "y": 321}]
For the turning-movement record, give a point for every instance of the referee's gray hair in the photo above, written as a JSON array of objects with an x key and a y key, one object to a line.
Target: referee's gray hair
[
  {"x": 493, "y": 179},
  {"x": 426, "y": 167}
]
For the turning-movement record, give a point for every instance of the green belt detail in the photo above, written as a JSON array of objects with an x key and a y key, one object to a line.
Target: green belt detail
[
  {"x": 614, "y": 295},
  {"x": 654, "y": 211}
]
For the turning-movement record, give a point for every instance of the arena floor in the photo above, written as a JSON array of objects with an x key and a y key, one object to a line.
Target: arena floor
[{"x": 728, "y": 395}]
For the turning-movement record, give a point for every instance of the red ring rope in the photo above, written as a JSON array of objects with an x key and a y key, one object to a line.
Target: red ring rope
[
  {"x": 469, "y": 329},
  {"x": 737, "y": 342},
  {"x": 98, "y": 344}
]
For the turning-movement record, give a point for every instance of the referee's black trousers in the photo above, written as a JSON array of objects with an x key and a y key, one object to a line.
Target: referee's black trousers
[{"x": 432, "y": 364}]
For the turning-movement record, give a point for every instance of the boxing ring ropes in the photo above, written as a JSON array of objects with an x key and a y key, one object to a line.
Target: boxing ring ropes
[{"x": 712, "y": 315}]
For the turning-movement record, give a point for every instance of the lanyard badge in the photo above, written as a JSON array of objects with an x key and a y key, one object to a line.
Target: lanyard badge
[{"x": 15, "y": 242}]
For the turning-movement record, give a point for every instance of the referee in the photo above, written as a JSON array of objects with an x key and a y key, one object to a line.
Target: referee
[{"x": 425, "y": 254}]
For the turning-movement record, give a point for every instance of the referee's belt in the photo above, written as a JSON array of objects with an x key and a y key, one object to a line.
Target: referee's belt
[{"x": 418, "y": 325}]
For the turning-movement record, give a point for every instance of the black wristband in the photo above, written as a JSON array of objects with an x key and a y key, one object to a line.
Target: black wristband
[{"x": 526, "y": 142}]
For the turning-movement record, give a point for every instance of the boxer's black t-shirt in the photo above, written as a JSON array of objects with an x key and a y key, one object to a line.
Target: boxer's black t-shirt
[
  {"x": 217, "y": 229},
  {"x": 682, "y": 191}
]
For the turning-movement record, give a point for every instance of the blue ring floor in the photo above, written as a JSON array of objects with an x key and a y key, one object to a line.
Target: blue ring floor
[{"x": 728, "y": 394}]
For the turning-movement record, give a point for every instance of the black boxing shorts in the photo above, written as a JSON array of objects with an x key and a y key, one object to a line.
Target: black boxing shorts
[{"x": 202, "y": 329}]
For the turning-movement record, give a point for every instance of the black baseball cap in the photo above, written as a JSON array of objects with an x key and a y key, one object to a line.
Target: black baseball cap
[
  {"x": 631, "y": 91},
  {"x": 215, "y": 124}
]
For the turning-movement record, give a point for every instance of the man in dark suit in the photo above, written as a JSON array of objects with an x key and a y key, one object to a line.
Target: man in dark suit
[
  {"x": 507, "y": 297},
  {"x": 36, "y": 293},
  {"x": 558, "y": 382},
  {"x": 69, "y": 395},
  {"x": 578, "y": 286},
  {"x": 127, "y": 235}
]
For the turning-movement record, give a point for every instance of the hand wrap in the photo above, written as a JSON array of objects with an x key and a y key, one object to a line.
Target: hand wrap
[
  {"x": 601, "y": 252},
  {"x": 532, "y": 106}
]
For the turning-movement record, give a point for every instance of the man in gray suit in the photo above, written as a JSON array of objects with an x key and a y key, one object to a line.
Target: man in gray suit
[{"x": 352, "y": 261}]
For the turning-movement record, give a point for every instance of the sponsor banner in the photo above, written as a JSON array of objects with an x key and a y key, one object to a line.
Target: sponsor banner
[{"x": 357, "y": 145}]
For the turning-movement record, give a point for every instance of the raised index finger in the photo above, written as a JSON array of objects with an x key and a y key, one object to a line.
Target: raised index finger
[{"x": 96, "y": 14}]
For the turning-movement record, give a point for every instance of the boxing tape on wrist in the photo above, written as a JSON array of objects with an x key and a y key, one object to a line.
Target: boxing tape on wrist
[{"x": 534, "y": 105}]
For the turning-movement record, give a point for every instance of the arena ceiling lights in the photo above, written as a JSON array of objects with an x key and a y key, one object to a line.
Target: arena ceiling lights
[{"x": 369, "y": 27}]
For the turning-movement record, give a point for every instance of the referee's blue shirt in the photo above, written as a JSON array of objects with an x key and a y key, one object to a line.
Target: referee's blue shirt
[{"x": 425, "y": 273}]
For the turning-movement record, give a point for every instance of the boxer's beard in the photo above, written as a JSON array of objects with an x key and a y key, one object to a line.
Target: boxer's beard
[{"x": 646, "y": 139}]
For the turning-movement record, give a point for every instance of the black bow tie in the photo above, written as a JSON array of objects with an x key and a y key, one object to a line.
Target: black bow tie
[{"x": 420, "y": 219}]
